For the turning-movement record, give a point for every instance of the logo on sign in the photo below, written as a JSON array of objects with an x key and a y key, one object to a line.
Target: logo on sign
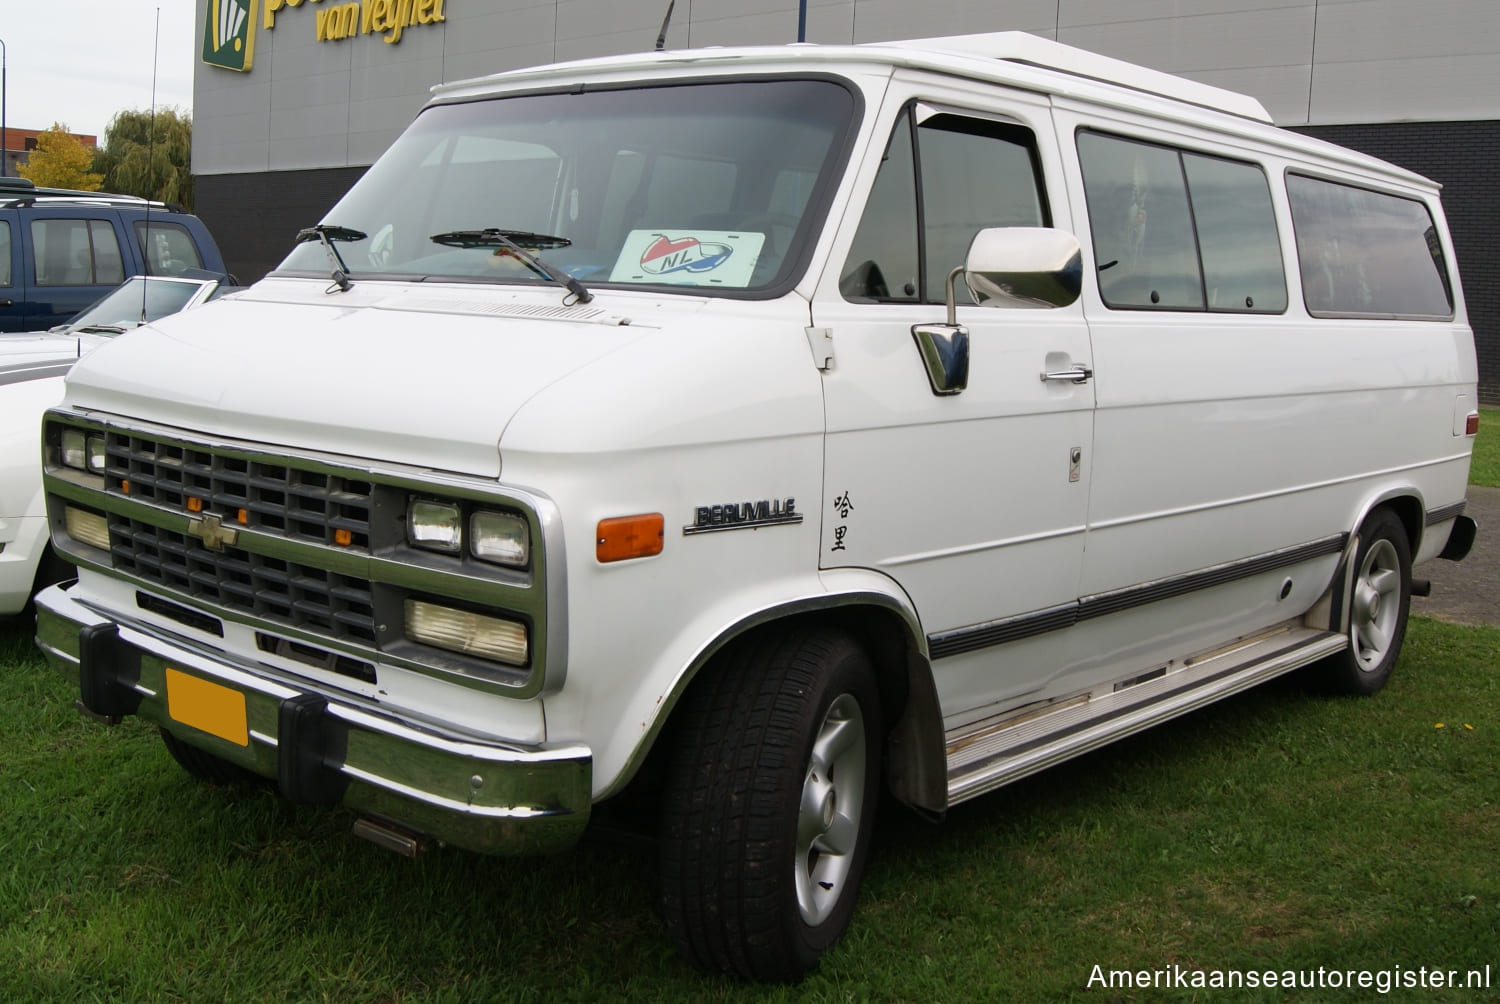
[
  {"x": 229, "y": 34},
  {"x": 666, "y": 256}
]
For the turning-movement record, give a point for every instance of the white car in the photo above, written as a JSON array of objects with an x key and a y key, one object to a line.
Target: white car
[{"x": 32, "y": 367}]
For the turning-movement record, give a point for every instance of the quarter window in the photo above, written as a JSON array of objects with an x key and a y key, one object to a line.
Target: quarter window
[{"x": 1367, "y": 254}]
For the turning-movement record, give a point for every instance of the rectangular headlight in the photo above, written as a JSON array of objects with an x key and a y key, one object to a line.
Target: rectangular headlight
[
  {"x": 87, "y": 527},
  {"x": 467, "y": 633},
  {"x": 75, "y": 449},
  {"x": 94, "y": 453},
  {"x": 500, "y": 537},
  {"x": 435, "y": 526}
]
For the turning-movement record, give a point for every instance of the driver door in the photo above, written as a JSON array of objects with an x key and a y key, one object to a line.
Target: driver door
[{"x": 974, "y": 500}]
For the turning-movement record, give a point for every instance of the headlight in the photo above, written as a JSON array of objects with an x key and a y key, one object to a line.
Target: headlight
[
  {"x": 499, "y": 537},
  {"x": 436, "y": 526},
  {"x": 94, "y": 454},
  {"x": 468, "y": 633},
  {"x": 82, "y": 451},
  {"x": 87, "y": 527}
]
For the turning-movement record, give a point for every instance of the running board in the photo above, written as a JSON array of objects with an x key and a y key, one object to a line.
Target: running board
[{"x": 986, "y": 755}]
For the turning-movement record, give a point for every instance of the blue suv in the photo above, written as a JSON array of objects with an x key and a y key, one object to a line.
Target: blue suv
[{"x": 62, "y": 250}]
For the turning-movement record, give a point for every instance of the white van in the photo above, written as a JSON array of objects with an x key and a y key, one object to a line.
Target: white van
[{"x": 745, "y": 430}]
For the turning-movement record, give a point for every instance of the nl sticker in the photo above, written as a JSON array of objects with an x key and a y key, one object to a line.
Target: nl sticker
[{"x": 692, "y": 258}]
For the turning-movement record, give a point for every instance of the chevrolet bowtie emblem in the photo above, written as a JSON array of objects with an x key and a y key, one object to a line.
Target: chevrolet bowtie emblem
[{"x": 212, "y": 531}]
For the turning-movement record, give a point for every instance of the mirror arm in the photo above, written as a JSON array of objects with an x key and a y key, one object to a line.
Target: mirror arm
[{"x": 952, "y": 304}]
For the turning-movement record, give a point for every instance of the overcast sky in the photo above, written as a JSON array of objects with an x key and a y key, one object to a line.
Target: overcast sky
[{"x": 80, "y": 61}]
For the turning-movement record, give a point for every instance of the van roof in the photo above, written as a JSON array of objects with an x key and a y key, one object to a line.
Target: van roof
[{"x": 943, "y": 54}]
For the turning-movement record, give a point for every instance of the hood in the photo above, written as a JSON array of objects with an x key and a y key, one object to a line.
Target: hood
[{"x": 414, "y": 374}]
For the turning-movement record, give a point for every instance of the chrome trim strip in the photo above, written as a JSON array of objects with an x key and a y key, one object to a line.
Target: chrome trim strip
[
  {"x": 1443, "y": 513},
  {"x": 40, "y": 371},
  {"x": 999, "y": 632}
]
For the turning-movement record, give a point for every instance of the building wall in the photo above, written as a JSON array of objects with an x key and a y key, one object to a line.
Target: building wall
[{"x": 1414, "y": 81}]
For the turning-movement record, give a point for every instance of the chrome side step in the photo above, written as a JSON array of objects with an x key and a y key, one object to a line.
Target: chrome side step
[{"x": 985, "y": 755}]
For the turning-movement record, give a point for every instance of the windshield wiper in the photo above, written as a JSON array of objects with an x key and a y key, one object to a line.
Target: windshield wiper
[
  {"x": 328, "y": 233},
  {"x": 518, "y": 242}
]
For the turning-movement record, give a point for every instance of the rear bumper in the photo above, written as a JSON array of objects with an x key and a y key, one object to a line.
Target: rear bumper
[{"x": 322, "y": 747}]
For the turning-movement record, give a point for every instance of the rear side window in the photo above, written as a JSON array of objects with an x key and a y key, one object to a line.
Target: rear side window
[
  {"x": 1367, "y": 254},
  {"x": 76, "y": 253},
  {"x": 4, "y": 253},
  {"x": 166, "y": 248},
  {"x": 1175, "y": 230}
]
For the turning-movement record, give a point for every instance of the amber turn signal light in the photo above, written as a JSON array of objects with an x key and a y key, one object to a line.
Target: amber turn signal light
[{"x": 625, "y": 537}]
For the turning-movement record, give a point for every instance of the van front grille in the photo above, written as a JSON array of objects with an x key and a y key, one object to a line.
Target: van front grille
[
  {"x": 282, "y": 592},
  {"x": 293, "y": 502}
]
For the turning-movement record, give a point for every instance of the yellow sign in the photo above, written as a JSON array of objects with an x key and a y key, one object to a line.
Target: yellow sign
[{"x": 338, "y": 21}]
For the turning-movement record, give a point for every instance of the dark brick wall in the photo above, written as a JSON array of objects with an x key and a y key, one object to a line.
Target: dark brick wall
[
  {"x": 1462, "y": 157},
  {"x": 254, "y": 217}
]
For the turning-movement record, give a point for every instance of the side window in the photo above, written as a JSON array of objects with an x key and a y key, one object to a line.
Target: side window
[
  {"x": 975, "y": 174},
  {"x": 935, "y": 190},
  {"x": 1242, "y": 267},
  {"x": 1144, "y": 246},
  {"x": 166, "y": 248},
  {"x": 1367, "y": 253},
  {"x": 4, "y": 253},
  {"x": 76, "y": 253}
]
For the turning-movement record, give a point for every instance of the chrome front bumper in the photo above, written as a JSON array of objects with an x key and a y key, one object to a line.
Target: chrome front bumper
[{"x": 322, "y": 747}]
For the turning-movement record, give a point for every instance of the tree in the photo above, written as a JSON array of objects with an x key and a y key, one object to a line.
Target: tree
[
  {"x": 61, "y": 160},
  {"x": 149, "y": 156}
]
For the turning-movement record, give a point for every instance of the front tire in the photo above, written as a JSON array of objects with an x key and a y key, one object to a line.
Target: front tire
[
  {"x": 770, "y": 804},
  {"x": 1378, "y": 608}
]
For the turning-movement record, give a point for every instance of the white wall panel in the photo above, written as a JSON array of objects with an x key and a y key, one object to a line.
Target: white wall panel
[{"x": 308, "y": 104}]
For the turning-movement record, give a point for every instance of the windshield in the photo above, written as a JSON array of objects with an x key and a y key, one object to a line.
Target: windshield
[
  {"x": 715, "y": 186},
  {"x": 121, "y": 308}
]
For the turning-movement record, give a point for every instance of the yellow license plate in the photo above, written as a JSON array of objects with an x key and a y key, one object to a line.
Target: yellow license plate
[{"x": 207, "y": 707}]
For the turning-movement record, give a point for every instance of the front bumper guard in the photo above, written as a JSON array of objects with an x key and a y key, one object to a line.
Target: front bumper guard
[{"x": 324, "y": 748}]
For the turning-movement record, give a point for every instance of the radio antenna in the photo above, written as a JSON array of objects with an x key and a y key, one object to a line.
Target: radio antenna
[
  {"x": 661, "y": 40},
  {"x": 150, "y": 168}
]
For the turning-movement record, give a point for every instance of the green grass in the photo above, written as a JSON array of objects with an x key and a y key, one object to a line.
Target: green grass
[
  {"x": 1484, "y": 469},
  {"x": 1273, "y": 831}
]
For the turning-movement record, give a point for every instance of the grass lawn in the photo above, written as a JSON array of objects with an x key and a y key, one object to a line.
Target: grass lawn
[
  {"x": 1485, "y": 467},
  {"x": 1275, "y": 831}
]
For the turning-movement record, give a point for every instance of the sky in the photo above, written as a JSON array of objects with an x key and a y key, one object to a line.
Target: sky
[{"x": 79, "y": 62}]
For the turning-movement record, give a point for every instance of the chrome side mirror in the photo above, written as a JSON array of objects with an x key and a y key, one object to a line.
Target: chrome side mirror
[
  {"x": 1016, "y": 267},
  {"x": 1024, "y": 267}
]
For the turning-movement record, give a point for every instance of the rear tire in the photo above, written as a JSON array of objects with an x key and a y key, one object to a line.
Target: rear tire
[
  {"x": 205, "y": 766},
  {"x": 770, "y": 804},
  {"x": 1378, "y": 609}
]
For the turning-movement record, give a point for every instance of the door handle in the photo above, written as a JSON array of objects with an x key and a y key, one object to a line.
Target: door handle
[
  {"x": 7, "y": 303},
  {"x": 1077, "y": 374}
]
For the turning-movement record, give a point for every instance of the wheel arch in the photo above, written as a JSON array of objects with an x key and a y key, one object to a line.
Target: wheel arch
[
  {"x": 886, "y": 627},
  {"x": 1331, "y": 611}
]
